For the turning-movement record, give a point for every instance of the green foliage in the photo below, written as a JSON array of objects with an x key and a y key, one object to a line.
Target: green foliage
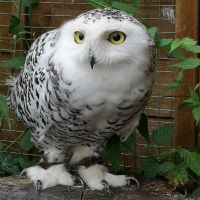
[
  {"x": 177, "y": 48},
  {"x": 165, "y": 167},
  {"x": 178, "y": 165},
  {"x": 124, "y": 6},
  {"x": 15, "y": 26},
  {"x": 190, "y": 158},
  {"x": 8, "y": 163},
  {"x": 188, "y": 63},
  {"x": 113, "y": 149},
  {"x": 25, "y": 143},
  {"x": 150, "y": 166},
  {"x": 15, "y": 63},
  {"x": 25, "y": 161},
  {"x": 30, "y": 3},
  {"x": 152, "y": 32},
  {"x": 163, "y": 135},
  {"x": 174, "y": 85},
  {"x": 143, "y": 127},
  {"x": 127, "y": 145},
  {"x": 111, "y": 153},
  {"x": 99, "y": 4},
  {"x": 196, "y": 193},
  {"x": 131, "y": 8},
  {"x": 179, "y": 175},
  {"x": 3, "y": 107}
]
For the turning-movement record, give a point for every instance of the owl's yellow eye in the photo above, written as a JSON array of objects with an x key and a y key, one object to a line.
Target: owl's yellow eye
[
  {"x": 117, "y": 37},
  {"x": 79, "y": 37}
]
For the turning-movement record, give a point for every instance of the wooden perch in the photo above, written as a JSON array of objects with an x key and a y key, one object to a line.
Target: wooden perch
[{"x": 22, "y": 189}]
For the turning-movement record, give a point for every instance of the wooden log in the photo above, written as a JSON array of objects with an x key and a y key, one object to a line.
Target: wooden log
[
  {"x": 22, "y": 189},
  {"x": 187, "y": 19}
]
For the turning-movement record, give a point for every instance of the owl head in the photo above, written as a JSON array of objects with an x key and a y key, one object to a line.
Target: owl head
[{"x": 103, "y": 38}]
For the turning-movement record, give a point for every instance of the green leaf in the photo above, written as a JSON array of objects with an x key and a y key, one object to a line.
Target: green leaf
[
  {"x": 143, "y": 127},
  {"x": 196, "y": 193},
  {"x": 196, "y": 113},
  {"x": 15, "y": 26},
  {"x": 30, "y": 3},
  {"x": 165, "y": 167},
  {"x": 152, "y": 31},
  {"x": 173, "y": 85},
  {"x": 179, "y": 175},
  {"x": 15, "y": 63},
  {"x": 178, "y": 54},
  {"x": 124, "y": 6},
  {"x": 24, "y": 33},
  {"x": 179, "y": 76},
  {"x": 192, "y": 48},
  {"x": 189, "y": 63},
  {"x": 188, "y": 41},
  {"x": 111, "y": 153},
  {"x": 25, "y": 141},
  {"x": 185, "y": 105},
  {"x": 195, "y": 98},
  {"x": 126, "y": 146},
  {"x": 149, "y": 167},
  {"x": 8, "y": 163},
  {"x": 196, "y": 88},
  {"x": 164, "y": 42},
  {"x": 175, "y": 44},
  {"x": 4, "y": 107},
  {"x": 2, "y": 146},
  {"x": 192, "y": 159},
  {"x": 136, "y": 4},
  {"x": 164, "y": 134},
  {"x": 168, "y": 153},
  {"x": 99, "y": 4},
  {"x": 24, "y": 162}
]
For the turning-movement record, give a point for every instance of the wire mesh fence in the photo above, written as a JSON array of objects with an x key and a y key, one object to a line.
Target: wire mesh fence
[{"x": 53, "y": 13}]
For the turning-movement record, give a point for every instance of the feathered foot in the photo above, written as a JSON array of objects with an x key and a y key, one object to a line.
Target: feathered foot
[
  {"x": 94, "y": 174},
  {"x": 97, "y": 177},
  {"x": 45, "y": 178}
]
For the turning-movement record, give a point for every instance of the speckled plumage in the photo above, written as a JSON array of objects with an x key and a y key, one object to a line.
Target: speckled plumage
[{"x": 65, "y": 103}]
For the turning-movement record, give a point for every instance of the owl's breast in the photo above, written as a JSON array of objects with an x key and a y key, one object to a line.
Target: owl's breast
[{"x": 100, "y": 91}]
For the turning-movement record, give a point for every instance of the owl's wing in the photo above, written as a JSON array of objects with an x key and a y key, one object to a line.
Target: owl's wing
[
  {"x": 132, "y": 121},
  {"x": 28, "y": 89}
]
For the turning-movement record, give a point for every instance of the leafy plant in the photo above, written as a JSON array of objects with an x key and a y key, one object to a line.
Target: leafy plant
[
  {"x": 112, "y": 152},
  {"x": 180, "y": 166},
  {"x": 131, "y": 8}
]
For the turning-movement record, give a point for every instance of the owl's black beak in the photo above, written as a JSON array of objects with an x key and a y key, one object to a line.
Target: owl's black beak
[
  {"x": 92, "y": 58},
  {"x": 92, "y": 61}
]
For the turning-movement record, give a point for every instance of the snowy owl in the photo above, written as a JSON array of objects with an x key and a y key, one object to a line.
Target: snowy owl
[{"x": 82, "y": 83}]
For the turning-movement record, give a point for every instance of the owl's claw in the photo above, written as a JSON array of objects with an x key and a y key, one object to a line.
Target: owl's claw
[
  {"x": 78, "y": 179},
  {"x": 38, "y": 185},
  {"x": 131, "y": 180},
  {"x": 23, "y": 174},
  {"x": 106, "y": 186}
]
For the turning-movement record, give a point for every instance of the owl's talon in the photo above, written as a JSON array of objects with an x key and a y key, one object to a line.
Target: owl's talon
[
  {"x": 106, "y": 186},
  {"x": 23, "y": 174},
  {"x": 131, "y": 180},
  {"x": 78, "y": 179},
  {"x": 38, "y": 185}
]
